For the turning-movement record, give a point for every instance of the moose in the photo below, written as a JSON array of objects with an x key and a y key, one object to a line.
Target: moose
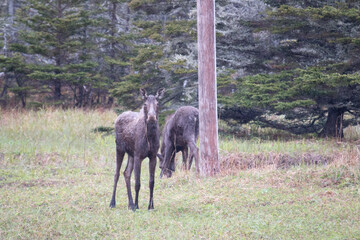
[
  {"x": 180, "y": 132},
  {"x": 137, "y": 134}
]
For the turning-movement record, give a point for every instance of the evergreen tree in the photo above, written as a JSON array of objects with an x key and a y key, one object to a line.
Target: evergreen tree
[
  {"x": 84, "y": 79},
  {"x": 114, "y": 42},
  {"x": 16, "y": 70},
  {"x": 161, "y": 36},
  {"x": 52, "y": 34},
  {"x": 315, "y": 69},
  {"x": 12, "y": 64}
]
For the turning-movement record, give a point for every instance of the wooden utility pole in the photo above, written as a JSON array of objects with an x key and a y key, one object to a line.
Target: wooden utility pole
[{"x": 209, "y": 154}]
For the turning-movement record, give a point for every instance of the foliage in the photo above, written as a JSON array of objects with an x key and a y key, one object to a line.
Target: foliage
[
  {"x": 52, "y": 33},
  {"x": 303, "y": 55},
  {"x": 56, "y": 48},
  {"x": 61, "y": 41},
  {"x": 299, "y": 88},
  {"x": 17, "y": 70},
  {"x": 153, "y": 64},
  {"x": 313, "y": 78}
]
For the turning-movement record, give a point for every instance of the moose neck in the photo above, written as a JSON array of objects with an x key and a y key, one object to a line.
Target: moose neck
[
  {"x": 152, "y": 136},
  {"x": 152, "y": 129}
]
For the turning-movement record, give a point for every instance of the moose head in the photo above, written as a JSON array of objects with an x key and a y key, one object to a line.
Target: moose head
[{"x": 151, "y": 106}]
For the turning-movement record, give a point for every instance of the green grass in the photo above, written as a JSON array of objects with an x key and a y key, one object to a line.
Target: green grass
[{"x": 56, "y": 179}]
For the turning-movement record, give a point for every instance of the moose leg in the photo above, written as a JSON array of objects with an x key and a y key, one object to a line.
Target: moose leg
[
  {"x": 137, "y": 163},
  {"x": 127, "y": 176},
  {"x": 119, "y": 159},
  {"x": 152, "y": 166},
  {"x": 185, "y": 157},
  {"x": 191, "y": 157},
  {"x": 194, "y": 152},
  {"x": 166, "y": 165},
  {"x": 172, "y": 162}
]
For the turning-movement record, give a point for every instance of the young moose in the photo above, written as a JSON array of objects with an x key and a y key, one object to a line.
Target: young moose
[
  {"x": 180, "y": 132},
  {"x": 137, "y": 134}
]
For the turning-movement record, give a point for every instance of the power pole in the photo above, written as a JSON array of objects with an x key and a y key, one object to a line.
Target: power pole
[{"x": 209, "y": 154}]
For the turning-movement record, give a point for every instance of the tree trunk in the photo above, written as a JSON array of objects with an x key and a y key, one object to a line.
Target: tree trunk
[
  {"x": 333, "y": 126},
  {"x": 113, "y": 7},
  {"x": 60, "y": 55},
  {"x": 21, "y": 93},
  {"x": 81, "y": 97},
  {"x": 57, "y": 90},
  {"x": 23, "y": 99},
  {"x": 6, "y": 86}
]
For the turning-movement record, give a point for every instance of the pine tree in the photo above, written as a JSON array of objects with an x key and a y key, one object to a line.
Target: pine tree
[
  {"x": 12, "y": 64},
  {"x": 114, "y": 42},
  {"x": 315, "y": 69},
  {"x": 17, "y": 70},
  {"x": 160, "y": 35},
  {"x": 52, "y": 35},
  {"x": 85, "y": 81}
]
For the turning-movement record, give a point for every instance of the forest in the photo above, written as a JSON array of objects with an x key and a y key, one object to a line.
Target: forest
[{"x": 290, "y": 65}]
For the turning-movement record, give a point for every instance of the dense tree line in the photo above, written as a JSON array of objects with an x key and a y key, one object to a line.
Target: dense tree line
[
  {"x": 87, "y": 52},
  {"x": 291, "y": 65},
  {"x": 309, "y": 76}
]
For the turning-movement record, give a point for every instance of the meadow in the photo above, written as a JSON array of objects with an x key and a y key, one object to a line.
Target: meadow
[{"x": 56, "y": 179}]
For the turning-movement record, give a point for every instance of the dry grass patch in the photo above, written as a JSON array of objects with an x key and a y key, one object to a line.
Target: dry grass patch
[{"x": 244, "y": 161}]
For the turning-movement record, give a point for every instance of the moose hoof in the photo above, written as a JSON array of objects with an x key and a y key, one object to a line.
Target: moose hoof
[
  {"x": 132, "y": 207},
  {"x": 151, "y": 205},
  {"x": 112, "y": 204}
]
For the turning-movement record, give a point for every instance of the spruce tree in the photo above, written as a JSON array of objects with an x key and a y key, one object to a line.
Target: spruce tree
[
  {"x": 314, "y": 68},
  {"x": 13, "y": 66},
  {"x": 16, "y": 70},
  {"x": 114, "y": 42},
  {"x": 52, "y": 35},
  {"x": 161, "y": 36}
]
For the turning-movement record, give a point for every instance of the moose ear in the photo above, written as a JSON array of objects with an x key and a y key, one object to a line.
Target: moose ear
[
  {"x": 143, "y": 93},
  {"x": 160, "y": 93}
]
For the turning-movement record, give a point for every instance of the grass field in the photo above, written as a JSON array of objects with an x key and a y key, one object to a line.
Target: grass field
[{"x": 56, "y": 179}]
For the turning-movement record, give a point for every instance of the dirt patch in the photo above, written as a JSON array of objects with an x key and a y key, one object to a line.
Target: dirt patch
[
  {"x": 48, "y": 158},
  {"x": 328, "y": 194}
]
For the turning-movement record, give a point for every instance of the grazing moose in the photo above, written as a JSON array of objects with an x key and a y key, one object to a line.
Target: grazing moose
[
  {"x": 137, "y": 134},
  {"x": 180, "y": 132}
]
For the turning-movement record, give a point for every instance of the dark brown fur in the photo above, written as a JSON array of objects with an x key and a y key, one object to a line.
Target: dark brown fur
[
  {"x": 137, "y": 134},
  {"x": 180, "y": 133}
]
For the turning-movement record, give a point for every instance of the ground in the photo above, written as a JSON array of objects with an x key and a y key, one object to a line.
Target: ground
[{"x": 56, "y": 179}]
